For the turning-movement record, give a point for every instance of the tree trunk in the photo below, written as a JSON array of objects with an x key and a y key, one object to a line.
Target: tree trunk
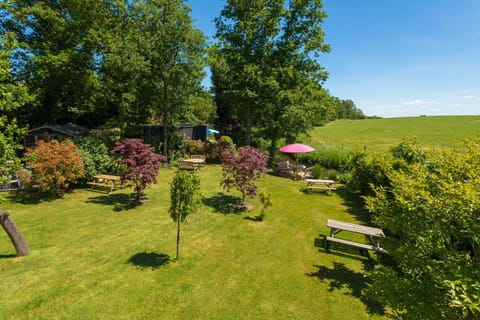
[
  {"x": 249, "y": 126},
  {"x": 178, "y": 238},
  {"x": 272, "y": 150},
  {"x": 14, "y": 233},
  {"x": 165, "y": 136}
]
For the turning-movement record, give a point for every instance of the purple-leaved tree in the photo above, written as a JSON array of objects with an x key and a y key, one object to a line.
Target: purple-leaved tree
[
  {"x": 240, "y": 171},
  {"x": 142, "y": 164}
]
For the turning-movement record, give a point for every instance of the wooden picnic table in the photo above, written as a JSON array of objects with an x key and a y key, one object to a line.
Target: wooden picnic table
[
  {"x": 372, "y": 234},
  {"x": 197, "y": 161},
  {"x": 320, "y": 184},
  {"x": 110, "y": 182},
  {"x": 189, "y": 165}
]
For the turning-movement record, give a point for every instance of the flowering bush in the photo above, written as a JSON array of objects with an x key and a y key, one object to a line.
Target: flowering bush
[
  {"x": 54, "y": 166},
  {"x": 241, "y": 171}
]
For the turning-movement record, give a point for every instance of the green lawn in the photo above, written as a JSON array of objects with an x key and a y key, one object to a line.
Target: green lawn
[
  {"x": 381, "y": 134},
  {"x": 95, "y": 258}
]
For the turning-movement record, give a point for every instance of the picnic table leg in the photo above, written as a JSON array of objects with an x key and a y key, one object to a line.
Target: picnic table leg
[{"x": 328, "y": 244}]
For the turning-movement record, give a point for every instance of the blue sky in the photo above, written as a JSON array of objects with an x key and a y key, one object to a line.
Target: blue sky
[{"x": 395, "y": 58}]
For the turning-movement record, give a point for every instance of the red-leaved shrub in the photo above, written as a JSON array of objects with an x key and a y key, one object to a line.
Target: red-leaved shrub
[
  {"x": 141, "y": 161},
  {"x": 54, "y": 165},
  {"x": 242, "y": 170}
]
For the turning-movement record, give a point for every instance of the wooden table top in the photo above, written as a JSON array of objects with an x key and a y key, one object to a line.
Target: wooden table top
[
  {"x": 195, "y": 160},
  {"x": 371, "y": 231},
  {"x": 107, "y": 177}
]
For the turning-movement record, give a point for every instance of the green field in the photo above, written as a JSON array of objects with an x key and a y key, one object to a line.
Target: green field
[
  {"x": 381, "y": 134},
  {"x": 94, "y": 258}
]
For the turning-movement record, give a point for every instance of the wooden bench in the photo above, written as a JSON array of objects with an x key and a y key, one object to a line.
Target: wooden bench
[
  {"x": 355, "y": 244},
  {"x": 372, "y": 235},
  {"x": 319, "y": 184},
  {"x": 107, "y": 186},
  {"x": 187, "y": 165}
]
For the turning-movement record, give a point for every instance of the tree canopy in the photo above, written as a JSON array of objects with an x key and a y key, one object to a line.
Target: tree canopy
[
  {"x": 85, "y": 62},
  {"x": 264, "y": 68}
]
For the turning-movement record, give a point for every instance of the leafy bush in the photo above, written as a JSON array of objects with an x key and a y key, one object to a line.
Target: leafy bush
[
  {"x": 10, "y": 134},
  {"x": 225, "y": 143},
  {"x": 266, "y": 200},
  {"x": 369, "y": 171},
  {"x": 95, "y": 156},
  {"x": 319, "y": 172},
  {"x": 177, "y": 146},
  {"x": 241, "y": 171},
  {"x": 54, "y": 166},
  {"x": 196, "y": 147},
  {"x": 430, "y": 213},
  {"x": 409, "y": 150},
  {"x": 215, "y": 149},
  {"x": 142, "y": 164}
]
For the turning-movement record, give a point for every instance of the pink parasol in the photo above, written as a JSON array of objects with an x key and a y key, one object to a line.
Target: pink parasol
[{"x": 296, "y": 148}]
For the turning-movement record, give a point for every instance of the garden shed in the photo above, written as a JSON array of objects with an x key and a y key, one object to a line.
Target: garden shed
[
  {"x": 193, "y": 132},
  {"x": 58, "y": 132}
]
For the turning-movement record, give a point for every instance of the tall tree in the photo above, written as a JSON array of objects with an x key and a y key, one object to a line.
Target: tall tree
[
  {"x": 153, "y": 77},
  {"x": 115, "y": 62},
  {"x": 56, "y": 60},
  {"x": 13, "y": 95},
  {"x": 175, "y": 52},
  {"x": 266, "y": 68}
]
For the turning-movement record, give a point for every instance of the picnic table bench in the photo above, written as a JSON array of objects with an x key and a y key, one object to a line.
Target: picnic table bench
[
  {"x": 189, "y": 164},
  {"x": 320, "y": 184},
  {"x": 109, "y": 182},
  {"x": 373, "y": 234}
]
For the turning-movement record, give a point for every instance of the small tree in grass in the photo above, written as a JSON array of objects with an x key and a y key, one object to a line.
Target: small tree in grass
[
  {"x": 266, "y": 200},
  {"x": 185, "y": 198},
  {"x": 142, "y": 164},
  {"x": 242, "y": 170}
]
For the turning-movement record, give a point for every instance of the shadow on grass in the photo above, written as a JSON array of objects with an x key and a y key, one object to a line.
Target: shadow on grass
[
  {"x": 7, "y": 256},
  {"x": 258, "y": 218},
  {"x": 324, "y": 192},
  {"x": 151, "y": 260},
  {"x": 340, "y": 277},
  {"x": 34, "y": 197},
  {"x": 119, "y": 201},
  {"x": 24, "y": 197},
  {"x": 355, "y": 205},
  {"x": 223, "y": 203}
]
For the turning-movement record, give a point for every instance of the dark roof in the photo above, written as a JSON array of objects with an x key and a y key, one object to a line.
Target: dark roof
[{"x": 68, "y": 129}]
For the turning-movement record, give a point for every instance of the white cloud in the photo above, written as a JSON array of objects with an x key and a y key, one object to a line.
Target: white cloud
[
  {"x": 469, "y": 96},
  {"x": 417, "y": 103}
]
